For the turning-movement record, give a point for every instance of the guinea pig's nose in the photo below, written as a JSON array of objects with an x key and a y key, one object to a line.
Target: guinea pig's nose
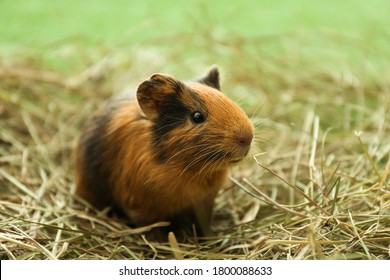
[{"x": 245, "y": 139}]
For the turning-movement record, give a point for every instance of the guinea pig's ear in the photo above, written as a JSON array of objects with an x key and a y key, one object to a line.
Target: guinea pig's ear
[
  {"x": 212, "y": 78},
  {"x": 152, "y": 93}
]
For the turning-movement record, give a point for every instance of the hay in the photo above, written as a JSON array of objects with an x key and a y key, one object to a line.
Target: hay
[{"x": 316, "y": 187}]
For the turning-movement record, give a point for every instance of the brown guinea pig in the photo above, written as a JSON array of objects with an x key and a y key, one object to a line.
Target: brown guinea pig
[{"x": 164, "y": 155}]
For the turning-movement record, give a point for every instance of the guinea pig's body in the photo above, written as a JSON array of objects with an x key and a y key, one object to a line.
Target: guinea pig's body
[{"x": 160, "y": 156}]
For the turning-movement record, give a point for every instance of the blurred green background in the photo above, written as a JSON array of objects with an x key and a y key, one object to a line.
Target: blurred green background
[
  {"x": 38, "y": 22},
  {"x": 284, "y": 49}
]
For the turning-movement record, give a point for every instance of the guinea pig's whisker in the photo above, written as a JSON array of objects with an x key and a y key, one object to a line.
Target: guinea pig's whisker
[
  {"x": 218, "y": 157},
  {"x": 257, "y": 123},
  {"x": 165, "y": 126},
  {"x": 213, "y": 156},
  {"x": 194, "y": 161},
  {"x": 182, "y": 151},
  {"x": 172, "y": 118},
  {"x": 199, "y": 156},
  {"x": 210, "y": 156},
  {"x": 210, "y": 167},
  {"x": 197, "y": 159},
  {"x": 257, "y": 111},
  {"x": 205, "y": 166}
]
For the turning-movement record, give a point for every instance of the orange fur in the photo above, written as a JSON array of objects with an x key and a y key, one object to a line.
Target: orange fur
[{"x": 152, "y": 178}]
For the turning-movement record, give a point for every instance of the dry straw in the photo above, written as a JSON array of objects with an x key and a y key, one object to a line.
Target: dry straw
[{"x": 321, "y": 191}]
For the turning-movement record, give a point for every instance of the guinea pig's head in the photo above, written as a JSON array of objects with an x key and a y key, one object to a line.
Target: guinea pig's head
[{"x": 194, "y": 124}]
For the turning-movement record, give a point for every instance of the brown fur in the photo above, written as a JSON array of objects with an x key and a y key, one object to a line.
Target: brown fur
[{"x": 147, "y": 170}]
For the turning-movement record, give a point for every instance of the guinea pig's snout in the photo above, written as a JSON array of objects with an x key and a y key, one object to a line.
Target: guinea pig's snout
[{"x": 245, "y": 140}]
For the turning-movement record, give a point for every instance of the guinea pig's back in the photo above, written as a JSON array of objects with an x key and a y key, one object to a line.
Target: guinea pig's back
[{"x": 106, "y": 139}]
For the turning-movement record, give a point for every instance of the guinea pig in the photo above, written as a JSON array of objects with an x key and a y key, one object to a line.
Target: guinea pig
[{"x": 164, "y": 155}]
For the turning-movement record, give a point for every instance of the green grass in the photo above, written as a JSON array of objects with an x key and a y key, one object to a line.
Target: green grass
[
  {"x": 43, "y": 22},
  {"x": 312, "y": 73}
]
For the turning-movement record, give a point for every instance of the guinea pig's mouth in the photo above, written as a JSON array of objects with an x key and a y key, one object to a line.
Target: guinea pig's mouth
[
  {"x": 239, "y": 156},
  {"x": 233, "y": 161}
]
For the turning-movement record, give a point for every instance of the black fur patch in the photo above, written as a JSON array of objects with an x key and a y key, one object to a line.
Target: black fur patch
[
  {"x": 173, "y": 114},
  {"x": 95, "y": 168},
  {"x": 198, "y": 103},
  {"x": 211, "y": 79}
]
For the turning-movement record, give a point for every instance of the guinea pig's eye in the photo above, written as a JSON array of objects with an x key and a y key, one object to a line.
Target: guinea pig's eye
[{"x": 197, "y": 117}]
